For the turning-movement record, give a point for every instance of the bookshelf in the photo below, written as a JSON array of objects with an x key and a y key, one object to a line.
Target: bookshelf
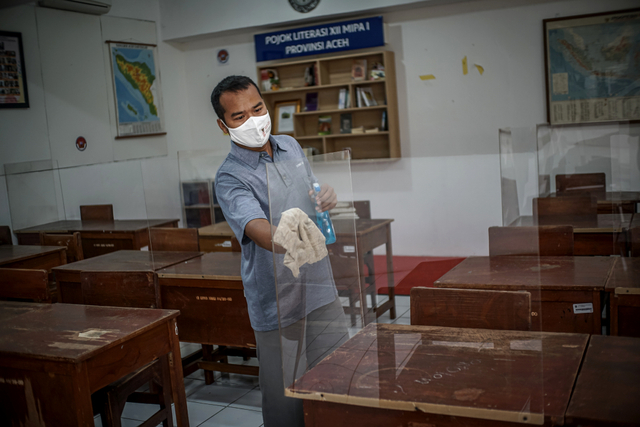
[
  {"x": 199, "y": 204},
  {"x": 333, "y": 73}
]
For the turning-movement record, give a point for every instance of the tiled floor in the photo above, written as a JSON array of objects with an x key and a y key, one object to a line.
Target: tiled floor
[{"x": 233, "y": 400}]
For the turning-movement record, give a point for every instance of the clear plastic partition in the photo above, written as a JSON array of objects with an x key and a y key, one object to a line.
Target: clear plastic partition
[
  {"x": 45, "y": 198},
  {"x": 520, "y": 181},
  {"x": 463, "y": 344}
]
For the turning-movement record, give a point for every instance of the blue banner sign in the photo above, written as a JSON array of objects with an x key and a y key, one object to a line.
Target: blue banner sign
[{"x": 334, "y": 37}]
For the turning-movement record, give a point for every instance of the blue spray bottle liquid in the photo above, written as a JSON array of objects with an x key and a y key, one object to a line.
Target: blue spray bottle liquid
[{"x": 324, "y": 221}]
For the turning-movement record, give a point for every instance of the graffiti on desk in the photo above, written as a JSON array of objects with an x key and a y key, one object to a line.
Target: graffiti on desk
[
  {"x": 449, "y": 371},
  {"x": 104, "y": 245},
  {"x": 207, "y": 298}
]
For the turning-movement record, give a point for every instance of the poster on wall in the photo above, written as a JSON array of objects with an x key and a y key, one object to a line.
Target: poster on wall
[
  {"x": 13, "y": 78},
  {"x": 136, "y": 85},
  {"x": 593, "y": 68}
]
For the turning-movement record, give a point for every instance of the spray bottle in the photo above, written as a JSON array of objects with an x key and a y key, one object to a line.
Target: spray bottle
[{"x": 324, "y": 221}]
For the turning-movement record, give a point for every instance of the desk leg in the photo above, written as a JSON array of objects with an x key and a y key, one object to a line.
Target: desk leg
[
  {"x": 367, "y": 313},
  {"x": 390, "y": 275},
  {"x": 613, "y": 321},
  {"x": 177, "y": 383}
]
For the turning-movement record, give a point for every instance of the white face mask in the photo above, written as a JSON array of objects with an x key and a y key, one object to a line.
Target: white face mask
[{"x": 253, "y": 133}]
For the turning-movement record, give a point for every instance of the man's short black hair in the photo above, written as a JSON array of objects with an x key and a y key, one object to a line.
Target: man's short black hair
[{"x": 230, "y": 84}]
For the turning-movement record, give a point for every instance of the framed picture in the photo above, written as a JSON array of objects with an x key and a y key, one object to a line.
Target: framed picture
[
  {"x": 13, "y": 77},
  {"x": 592, "y": 70},
  {"x": 137, "y": 91},
  {"x": 284, "y": 111}
]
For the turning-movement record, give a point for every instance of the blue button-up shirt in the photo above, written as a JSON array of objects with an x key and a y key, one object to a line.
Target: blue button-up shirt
[{"x": 244, "y": 183}]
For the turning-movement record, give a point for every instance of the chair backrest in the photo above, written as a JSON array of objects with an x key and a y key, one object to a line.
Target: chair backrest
[
  {"x": 96, "y": 212},
  {"x": 173, "y": 239},
  {"x": 25, "y": 284},
  {"x": 548, "y": 240},
  {"x": 564, "y": 206},
  {"x": 581, "y": 183},
  {"x": 363, "y": 208},
  {"x": 471, "y": 308},
  {"x": 73, "y": 242},
  {"x": 121, "y": 289},
  {"x": 5, "y": 235}
]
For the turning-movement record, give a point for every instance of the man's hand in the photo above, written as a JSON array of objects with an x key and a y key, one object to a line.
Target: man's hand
[{"x": 326, "y": 199}]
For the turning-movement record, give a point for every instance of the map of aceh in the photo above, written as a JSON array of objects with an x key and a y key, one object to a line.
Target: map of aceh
[
  {"x": 134, "y": 76},
  {"x": 600, "y": 61}
]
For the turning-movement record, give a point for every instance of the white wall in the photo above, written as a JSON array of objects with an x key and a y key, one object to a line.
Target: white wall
[
  {"x": 443, "y": 195},
  {"x": 444, "y": 200}
]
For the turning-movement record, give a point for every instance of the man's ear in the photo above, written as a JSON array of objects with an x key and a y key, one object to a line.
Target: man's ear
[{"x": 222, "y": 127}]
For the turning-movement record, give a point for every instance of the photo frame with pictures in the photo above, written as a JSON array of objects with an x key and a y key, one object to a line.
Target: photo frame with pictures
[
  {"x": 591, "y": 68},
  {"x": 13, "y": 76},
  {"x": 283, "y": 116}
]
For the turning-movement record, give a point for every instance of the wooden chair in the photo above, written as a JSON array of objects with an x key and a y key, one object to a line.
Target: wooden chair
[
  {"x": 581, "y": 183},
  {"x": 5, "y": 235},
  {"x": 129, "y": 289},
  {"x": 548, "y": 240},
  {"x": 96, "y": 212},
  {"x": 25, "y": 284},
  {"x": 72, "y": 242},
  {"x": 565, "y": 206},
  {"x": 471, "y": 308},
  {"x": 174, "y": 239}
]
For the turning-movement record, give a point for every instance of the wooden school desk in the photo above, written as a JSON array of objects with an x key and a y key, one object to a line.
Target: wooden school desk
[
  {"x": 565, "y": 291},
  {"x": 623, "y": 287},
  {"x": 99, "y": 237},
  {"x": 36, "y": 257},
  {"x": 396, "y": 375},
  {"x": 604, "y": 234},
  {"x": 369, "y": 234},
  {"x": 215, "y": 237},
  {"x": 607, "y": 389},
  {"x": 68, "y": 276},
  {"x": 54, "y": 356},
  {"x": 613, "y": 201},
  {"x": 208, "y": 292},
  {"x": 634, "y": 236}
]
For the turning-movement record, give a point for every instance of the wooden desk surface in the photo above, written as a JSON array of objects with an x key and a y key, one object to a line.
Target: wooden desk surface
[
  {"x": 220, "y": 229},
  {"x": 212, "y": 266},
  {"x": 15, "y": 253},
  {"x": 518, "y": 273},
  {"x": 610, "y": 196},
  {"x": 72, "y": 332},
  {"x": 607, "y": 389},
  {"x": 625, "y": 276},
  {"x": 129, "y": 261},
  {"x": 602, "y": 223},
  {"x": 497, "y": 375},
  {"x": 362, "y": 225},
  {"x": 10, "y": 309},
  {"x": 71, "y": 226}
]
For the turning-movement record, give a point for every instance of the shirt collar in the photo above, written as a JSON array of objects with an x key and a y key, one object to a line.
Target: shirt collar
[{"x": 252, "y": 158}]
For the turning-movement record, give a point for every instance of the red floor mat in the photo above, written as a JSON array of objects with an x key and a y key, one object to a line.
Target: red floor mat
[{"x": 407, "y": 276}]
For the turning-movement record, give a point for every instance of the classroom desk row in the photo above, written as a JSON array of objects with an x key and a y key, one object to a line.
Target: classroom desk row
[
  {"x": 419, "y": 376},
  {"x": 602, "y": 234},
  {"x": 567, "y": 293},
  {"x": 98, "y": 236}
]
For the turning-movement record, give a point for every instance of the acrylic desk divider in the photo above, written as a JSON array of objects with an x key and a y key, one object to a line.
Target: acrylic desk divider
[{"x": 347, "y": 366}]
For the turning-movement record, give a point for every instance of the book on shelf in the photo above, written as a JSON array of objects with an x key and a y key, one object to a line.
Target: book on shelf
[
  {"x": 372, "y": 130},
  {"x": 347, "y": 102},
  {"x": 377, "y": 72},
  {"x": 383, "y": 126},
  {"x": 342, "y": 98},
  {"x": 269, "y": 79},
  {"x": 311, "y": 101},
  {"x": 367, "y": 96},
  {"x": 359, "y": 129},
  {"x": 310, "y": 74},
  {"x": 358, "y": 98},
  {"x": 324, "y": 125},
  {"x": 345, "y": 123},
  {"x": 359, "y": 70}
]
